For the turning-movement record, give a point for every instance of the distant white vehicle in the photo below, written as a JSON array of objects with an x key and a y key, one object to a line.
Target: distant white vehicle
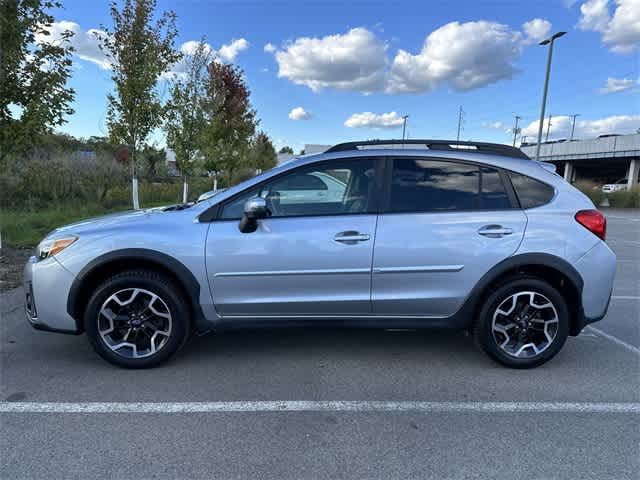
[
  {"x": 615, "y": 187},
  {"x": 316, "y": 187}
]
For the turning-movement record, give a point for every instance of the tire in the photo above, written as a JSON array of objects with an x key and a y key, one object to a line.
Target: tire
[
  {"x": 118, "y": 304},
  {"x": 505, "y": 340}
]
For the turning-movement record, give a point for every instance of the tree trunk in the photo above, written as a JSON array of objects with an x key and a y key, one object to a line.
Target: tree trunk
[
  {"x": 185, "y": 189},
  {"x": 215, "y": 181},
  {"x": 134, "y": 183},
  {"x": 134, "y": 192}
]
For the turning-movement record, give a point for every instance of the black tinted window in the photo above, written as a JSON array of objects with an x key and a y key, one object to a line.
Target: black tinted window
[
  {"x": 424, "y": 185},
  {"x": 531, "y": 193},
  {"x": 494, "y": 195}
]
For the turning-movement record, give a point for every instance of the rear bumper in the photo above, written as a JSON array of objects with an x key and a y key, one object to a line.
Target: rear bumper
[
  {"x": 598, "y": 270},
  {"x": 46, "y": 286}
]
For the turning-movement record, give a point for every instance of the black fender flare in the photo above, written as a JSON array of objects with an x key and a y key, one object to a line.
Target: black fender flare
[
  {"x": 165, "y": 262},
  {"x": 469, "y": 307}
]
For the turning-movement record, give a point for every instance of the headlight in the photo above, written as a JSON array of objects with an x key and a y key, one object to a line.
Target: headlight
[{"x": 51, "y": 246}]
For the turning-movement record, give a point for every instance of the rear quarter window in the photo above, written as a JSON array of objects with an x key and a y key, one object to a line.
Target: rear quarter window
[{"x": 531, "y": 192}]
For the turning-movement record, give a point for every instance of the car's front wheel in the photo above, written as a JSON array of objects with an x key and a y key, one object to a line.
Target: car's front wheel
[
  {"x": 523, "y": 323},
  {"x": 137, "y": 319}
]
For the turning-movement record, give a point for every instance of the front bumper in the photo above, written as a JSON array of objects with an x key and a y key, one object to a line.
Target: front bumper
[{"x": 46, "y": 286}]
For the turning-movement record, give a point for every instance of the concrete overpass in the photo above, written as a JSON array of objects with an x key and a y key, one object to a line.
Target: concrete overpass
[{"x": 604, "y": 159}]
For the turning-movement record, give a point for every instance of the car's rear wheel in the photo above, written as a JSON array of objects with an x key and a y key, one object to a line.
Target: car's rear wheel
[
  {"x": 524, "y": 323},
  {"x": 137, "y": 319}
]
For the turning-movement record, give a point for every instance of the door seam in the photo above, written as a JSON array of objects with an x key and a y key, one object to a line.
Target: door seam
[{"x": 373, "y": 257}]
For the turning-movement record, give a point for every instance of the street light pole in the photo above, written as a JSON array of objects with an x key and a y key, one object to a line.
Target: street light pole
[
  {"x": 546, "y": 139},
  {"x": 549, "y": 41},
  {"x": 404, "y": 127},
  {"x": 516, "y": 130},
  {"x": 573, "y": 125},
  {"x": 460, "y": 116}
]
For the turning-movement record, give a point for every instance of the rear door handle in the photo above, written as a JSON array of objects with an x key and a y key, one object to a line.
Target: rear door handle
[
  {"x": 351, "y": 237},
  {"x": 495, "y": 231}
]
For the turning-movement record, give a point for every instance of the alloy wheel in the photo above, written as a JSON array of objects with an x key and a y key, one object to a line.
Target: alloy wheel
[
  {"x": 134, "y": 323},
  {"x": 525, "y": 324}
]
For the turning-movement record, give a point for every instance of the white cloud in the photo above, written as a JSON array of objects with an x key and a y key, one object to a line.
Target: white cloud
[
  {"x": 495, "y": 125},
  {"x": 230, "y": 51},
  {"x": 372, "y": 120},
  {"x": 352, "y": 61},
  {"x": 190, "y": 48},
  {"x": 299, "y": 113},
  {"x": 227, "y": 52},
  {"x": 85, "y": 43},
  {"x": 187, "y": 49},
  {"x": 594, "y": 15},
  {"x": 269, "y": 48},
  {"x": 616, "y": 85},
  {"x": 498, "y": 126},
  {"x": 87, "y": 47},
  {"x": 561, "y": 126},
  {"x": 620, "y": 32},
  {"x": 463, "y": 55},
  {"x": 536, "y": 30}
]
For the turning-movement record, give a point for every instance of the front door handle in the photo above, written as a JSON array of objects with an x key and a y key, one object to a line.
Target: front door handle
[
  {"x": 351, "y": 237},
  {"x": 495, "y": 231}
]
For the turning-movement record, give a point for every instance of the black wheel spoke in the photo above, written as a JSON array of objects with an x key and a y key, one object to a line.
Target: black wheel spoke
[
  {"x": 525, "y": 324},
  {"x": 134, "y": 323}
]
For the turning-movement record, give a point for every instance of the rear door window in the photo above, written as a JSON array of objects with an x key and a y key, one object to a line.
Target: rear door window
[
  {"x": 493, "y": 194},
  {"x": 419, "y": 185}
]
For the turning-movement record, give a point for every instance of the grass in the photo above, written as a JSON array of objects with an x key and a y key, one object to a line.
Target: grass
[
  {"x": 25, "y": 228},
  {"x": 24, "y": 224}
]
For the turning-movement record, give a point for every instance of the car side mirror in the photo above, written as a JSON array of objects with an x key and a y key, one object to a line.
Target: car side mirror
[{"x": 254, "y": 209}]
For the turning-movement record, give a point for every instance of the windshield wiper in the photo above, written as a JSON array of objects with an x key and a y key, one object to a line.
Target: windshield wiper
[{"x": 178, "y": 206}]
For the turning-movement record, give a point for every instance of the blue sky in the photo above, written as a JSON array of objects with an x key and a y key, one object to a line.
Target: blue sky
[{"x": 339, "y": 59}]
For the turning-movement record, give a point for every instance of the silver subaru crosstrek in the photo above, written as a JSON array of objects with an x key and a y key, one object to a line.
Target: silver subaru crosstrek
[{"x": 385, "y": 234}]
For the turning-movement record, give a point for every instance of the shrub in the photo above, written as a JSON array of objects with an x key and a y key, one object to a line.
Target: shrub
[
  {"x": 625, "y": 199},
  {"x": 591, "y": 190},
  {"x": 40, "y": 181}
]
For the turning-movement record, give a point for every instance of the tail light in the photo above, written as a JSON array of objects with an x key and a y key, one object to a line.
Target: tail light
[{"x": 594, "y": 221}]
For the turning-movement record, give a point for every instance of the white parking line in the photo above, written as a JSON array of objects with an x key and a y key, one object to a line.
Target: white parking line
[
  {"x": 624, "y": 297},
  {"x": 320, "y": 406},
  {"x": 616, "y": 340}
]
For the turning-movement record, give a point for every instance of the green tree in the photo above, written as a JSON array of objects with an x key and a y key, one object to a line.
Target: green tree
[
  {"x": 140, "y": 51},
  {"x": 101, "y": 146},
  {"x": 230, "y": 120},
  {"x": 263, "y": 154},
  {"x": 286, "y": 149},
  {"x": 185, "y": 120},
  {"x": 153, "y": 159},
  {"x": 34, "y": 97}
]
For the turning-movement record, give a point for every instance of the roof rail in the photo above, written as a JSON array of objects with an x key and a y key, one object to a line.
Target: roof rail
[{"x": 448, "y": 145}]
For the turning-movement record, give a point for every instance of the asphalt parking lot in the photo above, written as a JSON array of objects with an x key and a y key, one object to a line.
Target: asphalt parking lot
[{"x": 306, "y": 403}]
